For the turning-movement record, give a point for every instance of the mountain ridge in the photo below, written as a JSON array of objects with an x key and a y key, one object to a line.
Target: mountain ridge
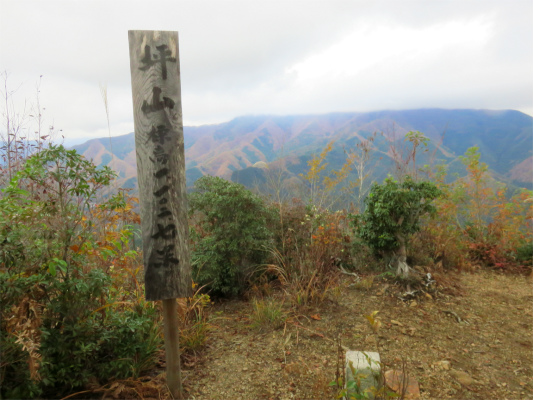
[{"x": 505, "y": 139}]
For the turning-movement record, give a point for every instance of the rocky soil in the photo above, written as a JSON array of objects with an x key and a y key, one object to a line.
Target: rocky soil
[
  {"x": 470, "y": 339},
  {"x": 473, "y": 343}
]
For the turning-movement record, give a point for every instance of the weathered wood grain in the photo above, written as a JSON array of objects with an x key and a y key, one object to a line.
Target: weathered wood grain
[
  {"x": 155, "y": 78},
  {"x": 172, "y": 348}
]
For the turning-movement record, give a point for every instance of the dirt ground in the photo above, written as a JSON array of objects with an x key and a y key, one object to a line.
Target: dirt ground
[
  {"x": 483, "y": 328},
  {"x": 471, "y": 338}
]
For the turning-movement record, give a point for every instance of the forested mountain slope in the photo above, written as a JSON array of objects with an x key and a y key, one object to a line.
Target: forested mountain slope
[{"x": 505, "y": 139}]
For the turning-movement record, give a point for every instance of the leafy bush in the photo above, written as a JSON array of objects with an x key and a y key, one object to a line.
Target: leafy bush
[
  {"x": 16, "y": 379},
  {"x": 392, "y": 215},
  {"x": 61, "y": 315},
  {"x": 229, "y": 234},
  {"x": 118, "y": 344},
  {"x": 524, "y": 253}
]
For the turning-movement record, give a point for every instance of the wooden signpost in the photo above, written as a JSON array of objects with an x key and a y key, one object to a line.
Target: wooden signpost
[{"x": 155, "y": 78}]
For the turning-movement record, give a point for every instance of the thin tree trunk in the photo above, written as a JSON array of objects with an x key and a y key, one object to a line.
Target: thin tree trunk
[{"x": 403, "y": 269}]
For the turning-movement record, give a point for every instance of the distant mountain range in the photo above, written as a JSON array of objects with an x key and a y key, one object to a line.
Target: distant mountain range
[{"x": 240, "y": 148}]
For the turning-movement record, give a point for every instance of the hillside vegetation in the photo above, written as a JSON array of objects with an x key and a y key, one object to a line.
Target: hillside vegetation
[
  {"x": 228, "y": 149},
  {"x": 75, "y": 323}
]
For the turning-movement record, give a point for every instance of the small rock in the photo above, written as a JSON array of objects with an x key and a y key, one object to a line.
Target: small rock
[
  {"x": 462, "y": 377},
  {"x": 396, "y": 322},
  {"x": 395, "y": 380},
  {"x": 413, "y": 304},
  {"x": 445, "y": 365}
]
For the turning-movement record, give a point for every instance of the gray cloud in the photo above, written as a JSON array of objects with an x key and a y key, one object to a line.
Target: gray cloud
[{"x": 236, "y": 56}]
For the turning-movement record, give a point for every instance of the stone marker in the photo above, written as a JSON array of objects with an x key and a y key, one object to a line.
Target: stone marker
[{"x": 367, "y": 368}]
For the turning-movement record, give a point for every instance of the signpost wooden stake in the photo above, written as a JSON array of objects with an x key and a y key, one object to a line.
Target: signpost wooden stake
[
  {"x": 155, "y": 78},
  {"x": 172, "y": 348}
]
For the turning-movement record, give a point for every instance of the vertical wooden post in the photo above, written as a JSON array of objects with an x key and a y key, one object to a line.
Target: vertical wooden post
[
  {"x": 172, "y": 349},
  {"x": 155, "y": 78}
]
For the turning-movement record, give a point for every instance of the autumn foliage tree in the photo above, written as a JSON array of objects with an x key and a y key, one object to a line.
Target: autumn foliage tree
[
  {"x": 478, "y": 223},
  {"x": 494, "y": 226},
  {"x": 321, "y": 184}
]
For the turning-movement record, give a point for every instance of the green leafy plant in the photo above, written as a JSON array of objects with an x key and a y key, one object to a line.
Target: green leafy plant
[
  {"x": 118, "y": 344},
  {"x": 354, "y": 389},
  {"x": 392, "y": 215},
  {"x": 229, "y": 234},
  {"x": 61, "y": 314},
  {"x": 524, "y": 253}
]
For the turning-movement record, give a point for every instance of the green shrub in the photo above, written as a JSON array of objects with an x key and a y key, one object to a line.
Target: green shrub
[
  {"x": 60, "y": 324},
  {"x": 120, "y": 346},
  {"x": 78, "y": 342},
  {"x": 524, "y": 253},
  {"x": 392, "y": 216},
  {"x": 78, "y": 339},
  {"x": 229, "y": 234},
  {"x": 129, "y": 348},
  {"x": 15, "y": 376}
]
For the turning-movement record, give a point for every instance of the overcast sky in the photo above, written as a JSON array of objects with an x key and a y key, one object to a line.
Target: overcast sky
[{"x": 271, "y": 57}]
